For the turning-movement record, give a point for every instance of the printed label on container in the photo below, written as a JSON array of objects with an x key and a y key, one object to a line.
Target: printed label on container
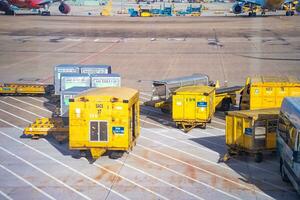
[
  {"x": 118, "y": 130},
  {"x": 201, "y": 104},
  {"x": 248, "y": 131}
]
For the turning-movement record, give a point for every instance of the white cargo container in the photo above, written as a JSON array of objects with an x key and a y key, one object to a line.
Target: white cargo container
[
  {"x": 74, "y": 80},
  {"x": 95, "y": 69},
  {"x": 63, "y": 68},
  {"x": 105, "y": 80}
]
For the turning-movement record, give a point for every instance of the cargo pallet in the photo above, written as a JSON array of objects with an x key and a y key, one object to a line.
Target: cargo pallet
[
  {"x": 46, "y": 126},
  {"x": 24, "y": 89}
]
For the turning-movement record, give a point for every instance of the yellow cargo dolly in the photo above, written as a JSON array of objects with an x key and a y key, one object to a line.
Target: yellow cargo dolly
[
  {"x": 251, "y": 131},
  {"x": 21, "y": 89},
  {"x": 46, "y": 126},
  {"x": 193, "y": 106}
]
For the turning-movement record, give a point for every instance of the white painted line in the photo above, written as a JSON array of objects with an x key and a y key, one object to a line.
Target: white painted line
[
  {"x": 132, "y": 182},
  {"x": 6, "y": 122},
  {"x": 183, "y": 175},
  {"x": 66, "y": 166},
  {"x": 206, "y": 171},
  {"x": 24, "y": 180},
  {"x": 184, "y": 142},
  {"x": 154, "y": 124},
  {"x": 31, "y": 104},
  {"x": 187, "y": 153},
  {"x": 21, "y": 118},
  {"x": 218, "y": 122},
  {"x": 21, "y": 109},
  {"x": 146, "y": 94},
  {"x": 5, "y": 195},
  {"x": 158, "y": 179},
  {"x": 43, "y": 172},
  {"x": 36, "y": 99}
]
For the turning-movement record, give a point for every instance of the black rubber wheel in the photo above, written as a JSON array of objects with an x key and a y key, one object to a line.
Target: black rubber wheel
[
  {"x": 166, "y": 111},
  {"x": 203, "y": 126},
  {"x": 116, "y": 154},
  {"x": 258, "y": 157},
  {"x": 288, "y": 13},
  {"x": 284, "y": 177},
  {"x": 10, "y": 12},
  {"x": 254, "y": 14},
  {"x": 250, "y": 14},
  {"x": 292, "y": 13}
]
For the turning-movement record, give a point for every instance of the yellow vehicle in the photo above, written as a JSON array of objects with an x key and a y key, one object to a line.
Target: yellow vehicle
[
  {"x": 21, "y": 89},
  {"x": 196, "y": 14},
  {"x": 251, "y": 131},
  {"x": 46, "y": 126},
  {"x": 104, "y": 119},
  {"x": 268, "y": 91},
  {"x": 193, "y": 106},
  {"x": 145, "y": 13}
]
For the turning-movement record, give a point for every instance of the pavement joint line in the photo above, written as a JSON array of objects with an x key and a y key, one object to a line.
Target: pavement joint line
[
  {"x": 183, "y": 175},
  {"x": 180, "y": 141},
  {"x": 132, "y": 182},
  {"x": 45, "y": 173},
  {"x": 27, "y": 182},
  {"x": 163, "y": 181},
  {"x": 16, "y": 116},
  {"x": 42, "y": 101},
  {"x": 147, "y": 129},
  {"x": 31, "y": 104},
  {"x": 218, "y": 122},
  {"x": 206, "y": 171},
  {"x": 270, "y": 172},
  {"x": 96, "y": 53},
  {"x": 21, "y": 109},
  {"x": 66, "y": 166},
  {"x": 155, "y": 124},
  {"x": 187, "y": 153},
  {"x": 128, "y": 180},
  {"x": 5, "y": 196}
]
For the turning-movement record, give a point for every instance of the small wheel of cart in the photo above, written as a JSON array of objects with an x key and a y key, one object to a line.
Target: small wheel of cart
[{"x": 258, "y": 157}]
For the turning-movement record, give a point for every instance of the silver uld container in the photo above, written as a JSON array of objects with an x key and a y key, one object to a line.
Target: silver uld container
[
  {"x": 74, "y": 80},
  {"x": 66, "y": 95},
  {"x": 106, "y": 80},
  {"x": 63, "y": 69},
  {"x": 163, "y": 89}
]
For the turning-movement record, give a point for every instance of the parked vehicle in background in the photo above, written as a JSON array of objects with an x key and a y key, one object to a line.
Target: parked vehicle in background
[{"x": 288, "y": 141}]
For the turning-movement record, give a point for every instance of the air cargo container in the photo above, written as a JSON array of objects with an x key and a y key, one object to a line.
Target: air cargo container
[
  {"x": 63, "y": 68},
  {"x": 104, "y": 119},
  {"x": 251, "y": 131},
  {"x": 162, "y": 90},
  {"x": 74, "y": 80},
  {"x": 105, "y": 80},
  {"x": 95, "y": 69},
  {"x": 65, "y": 96},
  {"x": 193, "y": 106},
  {"x": 268, "y": 91}
]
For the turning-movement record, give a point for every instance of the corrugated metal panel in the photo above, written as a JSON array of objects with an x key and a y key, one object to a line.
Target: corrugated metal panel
[
  {"x": 106, "y": 80},
  {"x": 63, "y": 68}
]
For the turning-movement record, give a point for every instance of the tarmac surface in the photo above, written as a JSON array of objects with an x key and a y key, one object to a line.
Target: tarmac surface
[{"x": 166, "y": 163}]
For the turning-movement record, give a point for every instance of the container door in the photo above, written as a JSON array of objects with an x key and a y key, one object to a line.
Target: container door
[
  {"x": 202, "y": 107},
  {"x": 133, "y": 122},
  {"x": 260, "y": 131},
  {"x": 255, "y": 97},
  {"x": 271, "y": 134},
  {"x": 177, "y": 107},
  {"x": 98, "y": 131},
  {"x": 189, "y": 111},
  {"x": 269, "y": 97}
]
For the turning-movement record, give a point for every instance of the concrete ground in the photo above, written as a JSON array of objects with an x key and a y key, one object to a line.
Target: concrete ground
[{"x": 166, "y": 163}]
